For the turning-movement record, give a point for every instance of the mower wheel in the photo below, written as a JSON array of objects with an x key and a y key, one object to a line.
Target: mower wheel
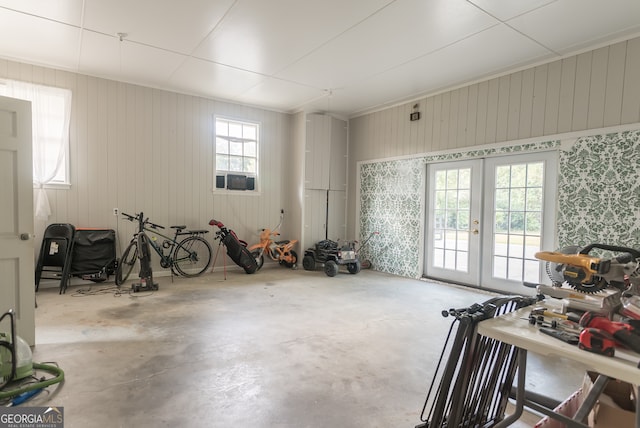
[
  {"x": 331, "y": 268},
  {"x": 309, "y": 263}
]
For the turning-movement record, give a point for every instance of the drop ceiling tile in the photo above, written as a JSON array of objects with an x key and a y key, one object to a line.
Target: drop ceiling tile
[
  {"x": 507, "y": 9},
  {"x": 265, "y": 36},
  {"x": 397, "y": 34},
  {"x": 218, "y": 81},
  {"x": 568, "y": 25},
  {"x": 487, "y": 53},
  {"x": 279, "y": 95},
  {"x": 53, "y": 44},
  {"x": 342, "y": 103},
  {"x": 177, "y": 26},
  {"x": 131, "y": 62},
  {"x": 64, "y": 11},
  {"x": 278, "y": 52}
]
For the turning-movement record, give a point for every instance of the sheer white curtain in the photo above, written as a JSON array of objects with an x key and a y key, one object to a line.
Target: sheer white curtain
[{"x": 51, "y": 115}]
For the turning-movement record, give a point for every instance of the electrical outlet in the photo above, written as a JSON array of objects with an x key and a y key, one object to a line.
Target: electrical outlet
[{"x": 116, "y": 211}]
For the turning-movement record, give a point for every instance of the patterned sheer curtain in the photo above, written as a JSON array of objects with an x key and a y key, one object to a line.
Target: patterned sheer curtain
[{"x": 51, "y": 115}]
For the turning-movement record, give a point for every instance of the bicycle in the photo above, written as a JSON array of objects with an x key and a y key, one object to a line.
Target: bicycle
[
  {"x": 190, "y": 256},
  {"x": 279, "y": 251}
]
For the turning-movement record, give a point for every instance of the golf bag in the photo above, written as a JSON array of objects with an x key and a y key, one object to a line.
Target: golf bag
[{"x": 236, "y": 249}]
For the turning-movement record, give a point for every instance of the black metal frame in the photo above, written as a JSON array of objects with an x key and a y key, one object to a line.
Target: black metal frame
[{"x": 473, "y": 388}]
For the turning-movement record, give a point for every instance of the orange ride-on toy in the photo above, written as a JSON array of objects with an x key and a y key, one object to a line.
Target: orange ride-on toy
[{"x": 279, "y": 251}]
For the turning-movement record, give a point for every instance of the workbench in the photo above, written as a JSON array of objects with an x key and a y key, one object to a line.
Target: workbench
[{"x": 514, "y": 329}]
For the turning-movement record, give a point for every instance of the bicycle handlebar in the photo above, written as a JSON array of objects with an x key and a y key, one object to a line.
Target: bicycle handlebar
[
  {"x": 272, "y": 232},
  {"x": 129, "y": 216},
  {"x": 145, "y": 222}
]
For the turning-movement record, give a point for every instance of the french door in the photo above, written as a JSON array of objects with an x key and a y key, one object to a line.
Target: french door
[
  {"x": 453, "y": 221},
  {"x": 487, "y": 218}
]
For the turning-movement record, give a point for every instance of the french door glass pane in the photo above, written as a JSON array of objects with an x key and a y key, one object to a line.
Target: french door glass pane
[
  {"x": 517, "y": 221},
  {"x": 452, "y": 213}
]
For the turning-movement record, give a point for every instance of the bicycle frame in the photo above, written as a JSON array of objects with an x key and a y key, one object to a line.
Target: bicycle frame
[
  {"x": 277, "y": 251},
  {"x": 166, "y": 260},
  {"x": 142, "y": 242},
  {"x": 174, "y": 244},
  {"x": 281, "y": 251}
]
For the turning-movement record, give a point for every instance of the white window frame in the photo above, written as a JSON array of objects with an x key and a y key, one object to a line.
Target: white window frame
[
  {"x": 51, "y": 117},
  {"x": 60, "y": 134},
  {"x": 224, "y": 134}
]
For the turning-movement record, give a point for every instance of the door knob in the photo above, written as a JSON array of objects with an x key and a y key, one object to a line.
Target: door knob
[
  {"x": 475, "y": 231},
  {"x": 24, "y": 236}
]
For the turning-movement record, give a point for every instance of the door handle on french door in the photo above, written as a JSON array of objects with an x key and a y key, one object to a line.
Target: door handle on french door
[{"x": 475, "y": 231}]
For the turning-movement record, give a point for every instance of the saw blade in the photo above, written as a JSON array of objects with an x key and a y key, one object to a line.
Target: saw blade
[
  {"x": 555, "y": 270},
  {"x": 598, "y": 284}
]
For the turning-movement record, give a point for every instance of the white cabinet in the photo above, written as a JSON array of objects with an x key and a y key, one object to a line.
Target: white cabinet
[
  {"x": 317, "y": 160},
  {"x": 325, "y": 153},
  {"x": 325, "y": 179},
  {"x": 337, "y": 215},
  {"x": 338, "y": 155},
  {"x": 324, "y": 216},
  {"x": 315, "y": 216}
]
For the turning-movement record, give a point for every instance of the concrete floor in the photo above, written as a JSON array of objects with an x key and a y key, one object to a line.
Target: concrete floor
[{"x": 280, "y": 348}]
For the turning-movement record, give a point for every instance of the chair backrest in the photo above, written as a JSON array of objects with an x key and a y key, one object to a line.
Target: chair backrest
[{"x": 60, "y": 230}]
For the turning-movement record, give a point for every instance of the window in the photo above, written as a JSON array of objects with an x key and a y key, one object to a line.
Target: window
[
  {"x": 236, "y": 155},
  {"x": 50, "y": 117},
  {"x": 51, "y": 112}
]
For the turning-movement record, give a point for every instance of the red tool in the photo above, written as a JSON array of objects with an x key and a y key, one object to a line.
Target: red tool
[
  {"x": 597, "y": 341},
  {"x": 622, "y": 333}
]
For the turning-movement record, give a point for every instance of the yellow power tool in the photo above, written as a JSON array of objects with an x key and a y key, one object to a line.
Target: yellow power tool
[{"x": 590, "y": 274}]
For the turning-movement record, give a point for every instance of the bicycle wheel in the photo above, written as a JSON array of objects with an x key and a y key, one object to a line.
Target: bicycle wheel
[
  {"x": 259, "y": 258},
  {"x": 127, "y": 262},
  {"x": 192, "y": 256}
]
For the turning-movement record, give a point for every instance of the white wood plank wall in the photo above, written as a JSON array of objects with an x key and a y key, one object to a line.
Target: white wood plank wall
[
  {"x": 592, "y": 90},
  {"x": 143, "y": 149}
]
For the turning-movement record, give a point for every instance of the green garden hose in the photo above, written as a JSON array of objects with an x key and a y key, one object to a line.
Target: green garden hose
[{"x": 56, "y": 371}]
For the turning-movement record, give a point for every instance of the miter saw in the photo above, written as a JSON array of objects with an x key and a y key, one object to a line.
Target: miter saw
[{"x": 590, "y": 274}]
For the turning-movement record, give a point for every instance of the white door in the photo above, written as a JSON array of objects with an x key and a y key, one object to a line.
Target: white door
[
  {"x": 315, "y": 217},
  {"x": 520, "y": 195},
  {"x": 487, "y": 219},
  {"x": 453, "y": 221},
  {"x": 336, "y": 215},
  {"x": 17, "y": 275}
]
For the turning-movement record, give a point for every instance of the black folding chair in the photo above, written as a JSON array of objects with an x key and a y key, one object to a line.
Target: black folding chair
[{"x": 54, "y": 261}]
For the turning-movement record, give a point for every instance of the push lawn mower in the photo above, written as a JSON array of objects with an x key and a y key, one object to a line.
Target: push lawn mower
[{"x": 366, "y": 263}]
